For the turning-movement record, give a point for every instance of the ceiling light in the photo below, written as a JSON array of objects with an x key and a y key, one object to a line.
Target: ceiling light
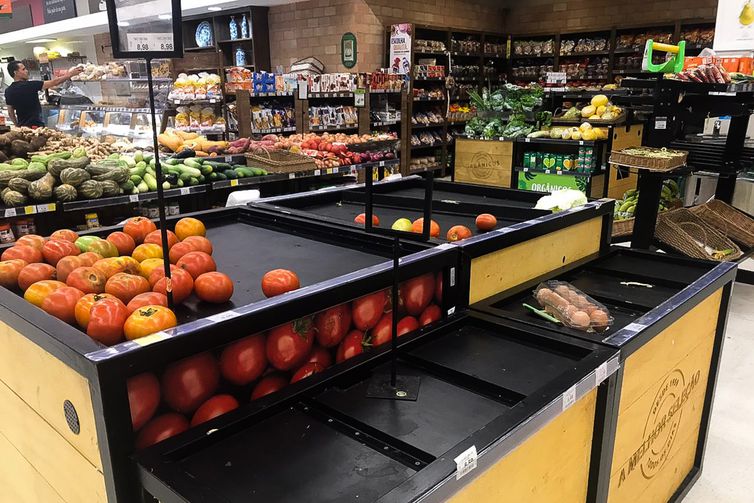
[
  {"x": 164, "y": 17},
  {"x": 214, "y": 8},
  {"x": 41, "y": 40}
]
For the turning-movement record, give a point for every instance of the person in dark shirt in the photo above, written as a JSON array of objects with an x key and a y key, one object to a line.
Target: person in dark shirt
[{"x": 22, "y": 98}]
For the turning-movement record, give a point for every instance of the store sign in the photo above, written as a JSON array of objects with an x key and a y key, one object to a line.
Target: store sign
[
  {"x": 400, "y": 48},
  {"x": 348, "y": 50},
  {"x": 557, "y": 78},
  {"x": 58, "y": 10},
  {"x": 734, "y": 30},
  {"x": 6, "y": 8},
  {"x": 548, "y": 182}
]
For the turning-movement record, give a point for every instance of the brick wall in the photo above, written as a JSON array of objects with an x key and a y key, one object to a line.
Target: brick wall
[
  {"x": 479, "y": 15},
  {"x": 547, "y": 16}
]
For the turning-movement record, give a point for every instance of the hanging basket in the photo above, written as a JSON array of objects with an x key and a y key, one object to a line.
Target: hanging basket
[
  {"x": 631, "y": 160},
  {"x": 687, "y": 233},
  {"x": 736, "y": 224}
]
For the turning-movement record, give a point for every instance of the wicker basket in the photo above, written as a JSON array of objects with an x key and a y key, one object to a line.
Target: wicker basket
[
  {"x": 280, "y": 161},
  {"x": 687, "y": 233},
  {"x": 650, "y": 163},
  {"x": 736, "y": 224},
  {"x": 623, "y": 227}
]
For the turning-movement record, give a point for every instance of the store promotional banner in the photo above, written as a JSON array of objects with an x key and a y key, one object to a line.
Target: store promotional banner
[
  {"x": 544, "y": 182},
  {"x": 734, "y": 30},
  {"x": 400, "y": 48}
]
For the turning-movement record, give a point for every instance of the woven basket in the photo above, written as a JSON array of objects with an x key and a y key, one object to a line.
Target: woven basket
[
  {"x": 280, "y": 161},
  {"x": 650, "y": 163},
  {"x": 688, "y": 234},
  {"x": 736, "y": 224},
  {"x": 623, "y": 227}
]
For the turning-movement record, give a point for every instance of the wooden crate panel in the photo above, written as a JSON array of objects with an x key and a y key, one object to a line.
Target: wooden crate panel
[
  {"x": 552, "y": 465},
  {"x": 622, "y": 139},
  {"x": 20, "y": 481},
  {"x": 484, "y": 162}
]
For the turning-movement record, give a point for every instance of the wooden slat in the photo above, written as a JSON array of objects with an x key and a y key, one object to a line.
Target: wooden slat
[
  {"x": 551, "y": 466},
  {"x": 484, "y": 162},
  {"x": 623, "y": 139},
  {"x": 506, "y": 268},
  {"x": 21, "y": 483}
]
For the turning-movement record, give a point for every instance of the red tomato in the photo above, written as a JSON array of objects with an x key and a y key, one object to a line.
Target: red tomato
[
  {"x": 62, "y": 302},
  {"x": 126, "y": 286},
  {"x": 39, "y": 291},
  {"x": 32, "y": 273},
  {"x": 188, "y": 226},
  {"x": 179, "y": 250},
  {"x": 183, "y": 285},
  {"x": 188, "y": 383},
  {"x": 146, "y": 250},
  {"x": 9, "y": 271},
  {"x": 143, "y": 398},
  {"x": 27, "y": 253},
  {"x": 159, "y": 273},
  {"x": 438, "y": 287},
  {"x": 430, "y": 315},
  {"x": 417, "y": 293},
  {"x": 147, "y": 299},
  {"x": 407, "y": 324},
  {"x": 88, "y": 259},
  {"x": 106, "y": 319},
  {"x": 306, "y": 370},
  {"x": 244, "y": 360},
  {"x": 155, "y": 237},
  {"x": 279, "y": 281},
  {"x": 148, "y": 320},
  {"x": 332, "y": 325},
  {"x": 214, "y": 287},
  {"x": 352, "y": 345},
  {"x": 197, "y": 263},
  {"x": 288, "y": 345},
  {"x": 418, "y": 227},
  {"x": 212, "y": 408},
  {"x": 56, "y": 249},
  {"x": 200, "y": 243},
  {"x": 321, "y": 356},
  {"x": 458, "y": 232},
  {"x": 123, "y": 242},
  {"x": 114, "y": 265},
  {"x": 87, "y": 279},
  {"x": 84, "y": 307},
  {"x": 269, "y": 384},
  {"x": 65, "y": 235},
  {"x": 367, "y": 310},
  {"x": 66, "y": 265},
  {"x": 32, "y": 240},
  {"x": 382, "y": 331},
  {"x": 138, "y": 228},
  {"x": 486, "y": 222},
  {"x": 161, "y": 428},
  {"x": 361, "y": 219}
]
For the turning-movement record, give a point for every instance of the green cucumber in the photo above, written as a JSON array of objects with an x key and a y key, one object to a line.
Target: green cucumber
[
  {"x": 230, "y": 174},
  {"x": 190, "y": 170},
  {"x": 206, "y": 169},
  {"x": 143, "y": 187},
  {"x": 193, "y": 181},
  {"x": 151, "y": 181}
]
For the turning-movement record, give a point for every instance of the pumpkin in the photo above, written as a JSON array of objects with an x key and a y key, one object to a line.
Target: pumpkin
[
  {"x": 90, "y": 189},
  {"x": 65, "y": 193},
  {"x": 74, "y": 176}
]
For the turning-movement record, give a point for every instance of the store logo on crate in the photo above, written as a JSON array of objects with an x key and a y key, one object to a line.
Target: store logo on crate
[
  {"x": 661, "y": 428},
  {"x": 482, "y": 165}
]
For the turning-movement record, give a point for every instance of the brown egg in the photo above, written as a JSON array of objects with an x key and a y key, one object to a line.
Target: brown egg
[
  {"x": 563, "y": 291},
  {"x": 579, "y": 301},
  {"x": 580, "y": 319},
  {"x": 557, "y": 301},
  {"x": 569, "y": 311},
  {"x": 599, "y": 318},
  {"x": 589, "y": 309},
  {"x": 543, "y": 294}
]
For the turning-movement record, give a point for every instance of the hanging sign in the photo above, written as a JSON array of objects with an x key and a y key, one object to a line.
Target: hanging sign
[
  {"x": 400, "y": 48},
  {"x": 145, "y": 28},
  {"x": 58, "y": 10},
  {"x": 734, "y": 29},
  {"x": 549, "y": 182},
  {"x": 348, "y": 50},
  {"x": 6, "y": 8}
]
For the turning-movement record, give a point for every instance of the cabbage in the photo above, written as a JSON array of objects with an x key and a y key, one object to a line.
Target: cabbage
[{"x": 561, "y": 200}]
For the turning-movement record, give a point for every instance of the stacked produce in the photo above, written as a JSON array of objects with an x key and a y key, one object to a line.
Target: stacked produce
[
  {"x": 584, "y": 132},
  {"x": 484, "y": 222},
  {"x": 96, "y": 150},
  {"x": 669, "y": 199},
  {"x": 710, "y": 73},
  {"x": 600, "y": 108},
  {"x": 176, "y": 140},
  {"x": 517, "y": 102}
]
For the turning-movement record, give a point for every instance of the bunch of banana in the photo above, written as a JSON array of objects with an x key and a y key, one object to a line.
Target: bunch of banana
[{"x": 625, "y": 208}]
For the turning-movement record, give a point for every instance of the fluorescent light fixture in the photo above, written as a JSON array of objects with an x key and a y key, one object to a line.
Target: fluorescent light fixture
[
  {"x": 214, "y": 8},
  {"x": 164, "y": 17},
  {"x": 41, "y": 41},
  {"x": 124, "y": 23}
]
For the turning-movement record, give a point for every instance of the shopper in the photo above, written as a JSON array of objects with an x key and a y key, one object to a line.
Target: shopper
[{"x": 22, "y": 98}]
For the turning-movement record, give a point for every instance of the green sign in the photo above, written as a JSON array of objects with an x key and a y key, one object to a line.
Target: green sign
[
  {"x": 548, "y": 182},
  {"x": 348, "y": 50}
]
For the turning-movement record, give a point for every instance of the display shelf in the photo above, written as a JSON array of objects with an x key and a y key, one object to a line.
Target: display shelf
[
  {"x": 199, "y": 49},
  {"x": 429, "y": 79},
  {"x": 435, "y": 53},
  {"x": 291, "y": 129},
  {"x": 434, "y": 145},
  {"x": 424, "y": 170},
  {"x": 251, "y": 180},
  {"x": 29, "y": 209},
  {"x": 384, "y": 123},
  {"x": 327, "y": 129},
  {"x": 280, "y": 94},
  {"x": 531, "y": 56},
  {"x": 466, "y": 54},
  {"x": 427, "y": 126},
  {"x": 628, "y": 50},
  {"x": 553, "y": 141},
  {"x": 383, "y": 91},
  {"x": 230, "y": 41},
  {"x": 585, "y": 54},
  {"x": 202, "y": 130},
  {"x": 156, "y": 80},
  {"x": 553, "y": 172},
  {"x": 210, "y": 101},
  {"x": 494, "y": 55},
  {"x": 330, "y": 95},
  {"x": 428, "y": 100},
  {"x": 238, "y": 66}
]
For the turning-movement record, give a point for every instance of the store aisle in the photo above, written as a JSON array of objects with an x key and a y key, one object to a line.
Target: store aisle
[{"x": 726, "y": 477}]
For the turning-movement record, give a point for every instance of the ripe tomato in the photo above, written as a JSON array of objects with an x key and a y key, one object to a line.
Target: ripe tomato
[
  {"x": 27, "y": 253},
  {"x": 123, "y": 242},
  {"x": 183, "y": 285},
  {"x": 148, "y": 320},
  {"x": 179, "y": 250},
  {"x": 197, "y": 263},
  {"x": 417, "y": 293},
  {"x": 56, "y": 249},
  {"x": 114, "y": 265},
  {"x": 161, "y": 428},
  {"x": 65, "y": 235},
  {"x": 279, "y": 281},
  {"x": 214, "y": 287},
  {"x": 32, "y": 273},
  {"x": 39, "y": 291},
  {"x": 62, "y": 303},
  {"x": 106, "y": 319},
  {"x": 188, "y": 226},
  {"x": 67, "y": 264},
  {"x": 407, "y": 324},
  {"x": 382, "y": 331},
  {"x": 150, "y": 265},
  {"x": 87, "y": 279},
  {"x": 361, "y": 219},
  {"x": 188, "y": 383},
  {"x": 145, "y": 251},
  {"x": 138, "y": 228},
  {"x": 200, "y": 243},
  {"x": 214, "y": 407},
  {"x": 126, "y": 286},
  {"x": 84, "y": 307},
  {"x": 306, "y": 370},
  {"x": 270, "y": 383},
  {"x": 147, "y": 299},
  {"x": 103, "y": 248},
  {"x": 418, "y": 227},
  {"x": 486, "y": 222},
  {"x": 159, "y": 273},
  {"x": 9, "y": 271},
  {"x": 320, "y": 355},
  {"x": 458, "y": 232},
  {"x": 143, "y": 398},
  {"x": 430, "y": 315},
  {"x": 368, "y": 310},
  {"x": 155, "y": 237},
  {"x": 33, "y": 240},
  {"x": 438, "y": 287},
  {"x": 288, "y": 345},
  {"x": 84, "y": 242},
  {"x": 88, "y": 259},
  {"x": 352, "y": 345},
  {"x": 244, "y": 360},
  {"x": 332, "y": 325}
]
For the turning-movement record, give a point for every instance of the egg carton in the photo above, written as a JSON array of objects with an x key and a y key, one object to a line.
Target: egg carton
[{"x": 572, "y": 307}]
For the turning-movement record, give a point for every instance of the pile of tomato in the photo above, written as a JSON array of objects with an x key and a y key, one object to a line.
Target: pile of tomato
[
  {"x": 115, "y": 288},
  {"x": 204, "y": 386},
  {"x": 485, "y": 222}
]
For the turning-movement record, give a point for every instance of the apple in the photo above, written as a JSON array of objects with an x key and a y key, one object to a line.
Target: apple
[{"x": 402, "y": 224}]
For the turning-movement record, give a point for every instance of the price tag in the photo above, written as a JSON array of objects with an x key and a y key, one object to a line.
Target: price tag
[
  {"x": 134, "y": 198},
  {"x": 151, "y": 339},
  {"x": 452, "y": 276},
  {"x": 661, "y": 122},
  {"x": 359, "y": 98},
  {"x": 185, "y": 190},
  {"x": 600, "y": 374},
  {"x": 29, "y": 210},
  {"x": 330, "y": 171},
  {"x": 226, "y": 315},
  {"x": 234, "y": 183},
  {"x": 317, "y": 172},
  {"x": 635, "y": 327},
  {"x": 303, "y": 89},
  {"x": 581, "y": 142},
  {"x": 144, "y": 42},
  {"x": 177, "y": 102},
  {"x": 291, "y": 176},
  {"x": 465, "y": 462},
  {"x": 382, "y": 164},
  {"x": 212, "y": 100},
  {"x": 547, "y": 172},
  {"x": 569, "y": 397},
  {"x": 228, "y": 158},
  {"x": 10, "y": 212},
  {"x": 527, "y": 140},
  {"x": 451, "y": 311}
]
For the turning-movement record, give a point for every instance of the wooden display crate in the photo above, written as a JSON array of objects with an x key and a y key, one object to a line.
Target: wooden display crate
[{"x": 484, "y": 162}]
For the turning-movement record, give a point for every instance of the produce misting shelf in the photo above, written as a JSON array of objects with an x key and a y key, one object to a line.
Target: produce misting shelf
[
  {"x": 330, "y": 95},
  {"x": 554, "y": 141},
  {"x": 280, "y": 94},
  {"x": 274, "y": 130},
  {"x": 531, "y": 56},
  {"x": 556, "y": 172},
  {"x": 427, "y": 126},
  {"x": 328, "y": 129}
]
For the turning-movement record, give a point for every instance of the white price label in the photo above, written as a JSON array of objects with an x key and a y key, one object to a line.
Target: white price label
[
  {"x": 291, "y": 176},
  {"x": 134, "y": 198},
  {"x": 528, "y": 140},
  {"x": 44, "y": 208},
  {"x": 465, "y": 462},
  {"x": 317, "y": 172},
  {"x": 151, "y": 339},
  {"x": 234, "y": 183},
  {"x": 581, "y": 142},
  {"x": 212, "y": 100},
  {"x": 226, "y": 315},
  {"x": 149, "y": 42},
  {"x": 185, "y": 190},
  {"x": 177, "y": 102},
  {"x": 661, "y": 122},
  {"x": 451, "y": 311},
  {"x": 10, "y": 212},
  {"x": 569, "y": 397},
  {"x": 359, "y": 100},
  {"x": 228, "y": 158},
  {"x": 600, "y": 374},
  {"x": 382, "y": 164},
  {"x": 452, "y": 276}
]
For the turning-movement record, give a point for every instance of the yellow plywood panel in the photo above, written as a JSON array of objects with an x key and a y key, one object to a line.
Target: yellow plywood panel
[
  {"x": 622, "y": 139},
  {"x": 483, "y": 162},
  {"x": 21, "y": 483},
  {"x": 509, "y": 267},
  {"x": 53, "y": 383},
  {"x": 551, "y": 466},
  {"x": 62, "y": 466}
]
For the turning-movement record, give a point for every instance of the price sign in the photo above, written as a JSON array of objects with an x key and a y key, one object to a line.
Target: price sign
[
  {"x": 145, "y": 42},
  {"x": 359, "y": 98},
  {"x": 556, "y": 77},
  {"x": 185, "y": 191},
  {"x": 466, "y": 461},
  {"x": 234, "y": 183},
  {"x": 661, "y": 122},
  {"x": 569, "y": 397},
  {"x": 145, "y": 28},
  {"x": 134, "y": 198},
  {"x": 10, "y": 212}
]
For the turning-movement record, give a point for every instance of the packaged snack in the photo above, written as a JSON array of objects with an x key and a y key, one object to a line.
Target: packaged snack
[
  {"x": 572, "y": 307},
  {"x": 182, "y": 117},
  {"x": 207, "y": 117}
]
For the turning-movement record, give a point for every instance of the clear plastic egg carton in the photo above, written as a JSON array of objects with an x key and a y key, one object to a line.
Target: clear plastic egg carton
[{"x": 572, "y": 307}]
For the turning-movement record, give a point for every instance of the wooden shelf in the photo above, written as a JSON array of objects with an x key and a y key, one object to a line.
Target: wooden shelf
[
  {"x": 229, "y": 41},
  {"x": 198, "y": 49}
]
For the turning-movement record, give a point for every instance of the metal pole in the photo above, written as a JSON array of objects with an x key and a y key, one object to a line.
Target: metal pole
[{"x": 394, "y": 321}]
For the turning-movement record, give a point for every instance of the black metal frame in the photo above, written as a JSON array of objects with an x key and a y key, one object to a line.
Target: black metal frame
[{"x": 177, "y": 51}]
